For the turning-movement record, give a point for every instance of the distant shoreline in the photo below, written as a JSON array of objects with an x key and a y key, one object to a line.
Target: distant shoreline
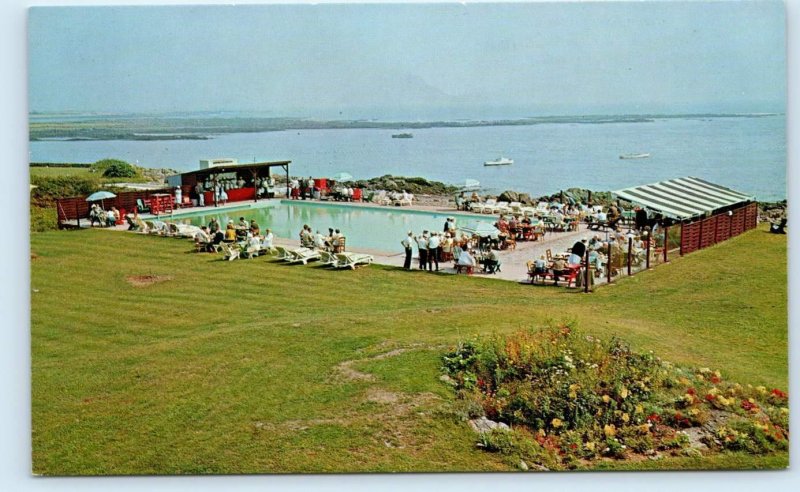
[{"x": 130, "y": 127}]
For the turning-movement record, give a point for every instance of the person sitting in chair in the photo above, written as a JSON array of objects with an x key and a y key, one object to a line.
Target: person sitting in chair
[
  {"x": 492, "y": 263},
  {"x": 559, "y": 269},
  {"x": 778, "y": 227}
]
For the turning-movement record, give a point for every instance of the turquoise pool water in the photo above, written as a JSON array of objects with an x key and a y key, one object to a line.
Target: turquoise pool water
[{"x": 372, "y": 228}]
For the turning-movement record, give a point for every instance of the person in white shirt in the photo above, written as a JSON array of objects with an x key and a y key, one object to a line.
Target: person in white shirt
[
  {"x": 406, "y": 243},
  {"x": 202, "y": 239},
  {"x": 422, "y": 247},
  {"x": 266, "y": 243},
  {"x": 433, "y": 251},
  {"x": 319, "y": 241},
  {"x": 466, "y": 259}
]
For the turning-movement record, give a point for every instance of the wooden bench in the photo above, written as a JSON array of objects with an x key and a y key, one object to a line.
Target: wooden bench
[
  {"x": 571, "y": 277},
  {"x": 468, "y": 269}
]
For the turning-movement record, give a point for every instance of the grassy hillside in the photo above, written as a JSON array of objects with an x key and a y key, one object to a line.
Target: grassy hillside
[{"x": 253, "y": 366}]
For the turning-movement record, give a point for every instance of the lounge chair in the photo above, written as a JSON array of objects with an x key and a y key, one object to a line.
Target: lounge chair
[
  {"x": 351, "y": 260},
  {"x": 282, "y": 253},
  {"x": 328, "y": 259},
  {"x": 302, "y": 255},
  {"x": 231, "y": 251},
  {"x": 485, "y": 207},
  {"x": 500, "y": 208},
  {"x": 251, "y": 252}
]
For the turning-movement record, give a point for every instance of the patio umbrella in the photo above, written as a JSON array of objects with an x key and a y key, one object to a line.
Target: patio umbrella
[
  {"x": 480, "y": 228},
  {"x": 100, "y": 195},
  {"x": 470, "y": 185},
  {"x": 342, "y": 177}
]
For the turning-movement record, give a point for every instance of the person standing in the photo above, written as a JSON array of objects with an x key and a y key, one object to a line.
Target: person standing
[
  {"x": 201, "y": 198},
  {"x": 406, "y": 242},
  {"x": 433, "y": 251},
  {"x": 422, "y": 246}
]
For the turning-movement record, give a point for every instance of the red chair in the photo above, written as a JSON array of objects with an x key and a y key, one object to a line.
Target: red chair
[{"x": 357, "y": 194}]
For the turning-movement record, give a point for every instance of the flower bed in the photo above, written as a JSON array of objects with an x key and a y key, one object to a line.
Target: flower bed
[{"x": 571, "y": 399}]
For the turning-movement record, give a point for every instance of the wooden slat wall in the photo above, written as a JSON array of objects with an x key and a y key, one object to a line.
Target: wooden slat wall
[
  {"x": 77, "y": 207},
  {"x": 706, "y": 232}
]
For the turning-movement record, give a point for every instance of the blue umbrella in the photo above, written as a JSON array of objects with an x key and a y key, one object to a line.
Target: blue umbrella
[{"x": 100, "y": 195}]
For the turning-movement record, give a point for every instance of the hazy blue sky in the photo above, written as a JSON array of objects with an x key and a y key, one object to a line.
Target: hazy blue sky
[{"x": 411, "y": 61}]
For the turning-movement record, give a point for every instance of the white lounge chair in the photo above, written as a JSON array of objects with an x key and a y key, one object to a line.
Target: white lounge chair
[
  {"x": 351, "y": 260},
  {"x": 515, "y": 207},
  {"x": 231, "y": 251},
  {"x": 328, "y": 259},
  {"x": 282, "y": 253},
  {"x": 500, "y": 208},
  {"x": 302, "y": 255},
  {"x": 486, "y": 207}
]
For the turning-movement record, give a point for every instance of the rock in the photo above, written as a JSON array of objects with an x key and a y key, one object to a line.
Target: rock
[
  {"x": 696, "y": 437},
  {"x": 447, "y": 379},
  {"x": 540, "y": 468},
  {"x": 525, "y": 199},
  {"x": 522, "y": 465},
  {"x": 508, "y": 196},
  {"x": 483, "y": 424}
]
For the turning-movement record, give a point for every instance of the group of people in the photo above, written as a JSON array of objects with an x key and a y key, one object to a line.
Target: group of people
[
  {"x": 308, "y": 189},
  {"x": 247, "y": 234},
  {"x": 104, "y": 218},
  {"x": 333, "y": 242},
  {"x": 435, "y": 247}
]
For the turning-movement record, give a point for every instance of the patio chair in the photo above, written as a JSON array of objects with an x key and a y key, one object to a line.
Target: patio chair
[
  {"x": 351, "y": 260},
  {"x": 141, "y": 206},
  {"x": 282, "y": 253},
  {"x": 327, "y": 259},
  {"x": 302, "y": 255},
  {"x": 501, "y": 208},
  {"x": 231, "y": 251}
]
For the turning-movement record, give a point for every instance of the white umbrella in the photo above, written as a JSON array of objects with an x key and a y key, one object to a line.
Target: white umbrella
[
  {"x": 100, "y": 195},
  {"x": 480, "y": 228},
  {"x": 342, "y": 177},
  {"x": 470, "y": 185}
]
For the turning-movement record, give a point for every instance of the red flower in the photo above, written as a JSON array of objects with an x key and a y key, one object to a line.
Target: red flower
[
  {"x": 747, "y": 405},
  {"x": 691, "y": 391},
  {"x": 779, "y": 394},
  {"x": 710, "y": 397},
  {"x": 653, "y": 418},
  {"x": 715, "y": 379}
]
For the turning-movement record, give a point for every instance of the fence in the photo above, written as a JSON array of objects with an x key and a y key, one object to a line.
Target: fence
[
  {"x": 77, "y": 208},
  {"x": 680, "y": 238}
]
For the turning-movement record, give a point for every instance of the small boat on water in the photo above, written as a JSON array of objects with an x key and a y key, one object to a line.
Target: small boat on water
[
  {"x": 643, "y": 155},
  {"x": 470, "y": 185},
  {"x": 502, "y": 161},
  {"x": 403, "y": 135}
]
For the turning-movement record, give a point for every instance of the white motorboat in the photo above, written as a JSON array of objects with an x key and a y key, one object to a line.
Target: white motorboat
[
  {"x": 643, "y": 155},
  {"x": 502, "y": 161}
]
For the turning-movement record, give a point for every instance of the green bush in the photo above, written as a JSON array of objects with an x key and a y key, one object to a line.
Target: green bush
[
  {"x": 43, "y": 219},
  {"x": 119, "y": 170},
  {"x": 584, "y": 398},
  {"x": 48, "y": 188}
]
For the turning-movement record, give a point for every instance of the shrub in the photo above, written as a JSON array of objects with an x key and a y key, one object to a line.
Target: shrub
[
  {"x": 119, "y": 170},
  {"x": 43, "y": 219},
  {"x": 579, "y": 398}
]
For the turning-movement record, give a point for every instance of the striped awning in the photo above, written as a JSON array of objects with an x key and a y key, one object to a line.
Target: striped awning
[{"x": 683, "y": 198}]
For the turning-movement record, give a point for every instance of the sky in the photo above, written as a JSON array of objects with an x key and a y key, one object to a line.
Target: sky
[{"x": 419, "y": 61}]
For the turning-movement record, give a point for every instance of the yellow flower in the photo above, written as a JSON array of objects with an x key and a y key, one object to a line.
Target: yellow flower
[
  {"x": 625, "y": 417},
  {"x": 694, "y": 411},
  {"x": 784, "y": 410},
  {"x": 623, "y": 392},
  {"x": 717, "y": 374},
  {"x": 639, "y": 409},
  {"x": 704, "y": 370},
  {"x": 684, "y": 381},
  {"x": 700, "y": 377},
  {"x": 589, "y": 446},
  {"x": 606, "y": 398},
  {"x": 556, "y": 423},
  {"x": 645, "y": 427},
  {"x": 724, "y": 401},
  {"x": 542, "y": 433},
  {"x": 713, "y": 391},
  {"x": 761, "y": 390},
  {"x": 610, "y": 430},
  {"x": 573, "y": 395}
]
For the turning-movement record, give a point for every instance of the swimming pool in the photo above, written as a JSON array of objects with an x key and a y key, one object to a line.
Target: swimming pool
[{"x": 372, "y": 228}]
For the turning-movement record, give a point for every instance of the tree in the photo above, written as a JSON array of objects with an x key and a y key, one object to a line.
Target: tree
[{"x": 113, "y": 168}]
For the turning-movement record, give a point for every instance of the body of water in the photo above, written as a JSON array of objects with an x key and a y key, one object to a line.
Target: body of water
[{"x": 744, "y": 153}]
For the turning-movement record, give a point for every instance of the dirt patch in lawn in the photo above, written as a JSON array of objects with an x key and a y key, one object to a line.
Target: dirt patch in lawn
[{"x": 145, "y": 280}]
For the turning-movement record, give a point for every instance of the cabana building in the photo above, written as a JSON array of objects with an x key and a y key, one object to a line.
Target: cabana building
[
  {"x": 240, "y": 181},
  {"x": 708, "y": 213}
]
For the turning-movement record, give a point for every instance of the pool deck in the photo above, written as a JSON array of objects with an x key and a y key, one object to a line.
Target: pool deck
[{"x": 513, "y": 262}]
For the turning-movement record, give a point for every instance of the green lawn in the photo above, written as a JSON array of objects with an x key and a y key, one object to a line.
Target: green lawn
[
  {"x": 258, "y": 367},
  {"x": 61, "y": 171}
]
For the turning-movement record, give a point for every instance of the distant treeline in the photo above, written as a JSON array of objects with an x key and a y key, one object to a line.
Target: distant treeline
[
  {"x": 201, "y": 128},
  {"x": 59, "y": 164}
]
